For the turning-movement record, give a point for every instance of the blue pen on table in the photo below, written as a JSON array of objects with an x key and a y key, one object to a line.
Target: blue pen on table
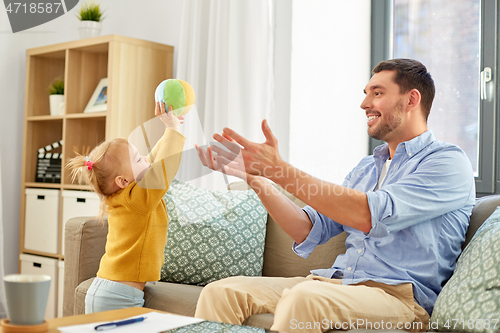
[{"x": 115, "y": 324}]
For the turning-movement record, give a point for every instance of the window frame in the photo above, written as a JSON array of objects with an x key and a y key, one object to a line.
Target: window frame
[{"x": 488, "y": 179}]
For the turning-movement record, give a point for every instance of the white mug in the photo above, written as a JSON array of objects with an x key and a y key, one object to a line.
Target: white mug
[{"x": 27, "y": 297}]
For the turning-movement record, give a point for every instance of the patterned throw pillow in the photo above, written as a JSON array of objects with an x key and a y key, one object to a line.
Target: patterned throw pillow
[
  {"x": 470, "y": 301},
  {"x": 212, "y": 327},
  {"x": 212, "y": 234}
]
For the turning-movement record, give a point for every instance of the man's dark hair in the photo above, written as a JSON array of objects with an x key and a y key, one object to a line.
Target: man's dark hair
[{"x": 411, "y": 74}]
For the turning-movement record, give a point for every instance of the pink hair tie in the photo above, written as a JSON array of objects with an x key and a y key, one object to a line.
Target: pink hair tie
[{"x": 89, "y": 164}]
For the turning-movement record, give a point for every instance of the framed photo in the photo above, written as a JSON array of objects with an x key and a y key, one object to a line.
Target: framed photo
[{"x": 99, "y": 100}]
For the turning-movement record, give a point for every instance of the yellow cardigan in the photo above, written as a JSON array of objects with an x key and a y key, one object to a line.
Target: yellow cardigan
[{"x": 138, "y": 219}]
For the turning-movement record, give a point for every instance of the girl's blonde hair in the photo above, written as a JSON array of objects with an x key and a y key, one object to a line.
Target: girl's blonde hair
[{"x": 100, "y": 168}]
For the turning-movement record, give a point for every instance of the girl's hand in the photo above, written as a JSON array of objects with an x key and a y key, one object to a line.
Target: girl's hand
[{"x": 168, "y": 118}]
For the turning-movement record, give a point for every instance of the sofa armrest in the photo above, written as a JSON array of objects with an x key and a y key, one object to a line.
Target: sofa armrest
[
  {"x": 84, "y": 245},
  {"x": 485, "y": 206}
]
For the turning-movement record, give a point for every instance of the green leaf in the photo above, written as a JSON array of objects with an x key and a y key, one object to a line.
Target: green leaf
[
  {"x": 90, "y": 12},
  {"x": 57, "y": 87}
]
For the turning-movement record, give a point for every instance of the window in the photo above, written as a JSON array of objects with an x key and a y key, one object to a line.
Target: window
[
  {"x": 330, "y": 61},
  {"x": 456, "y": 41}
]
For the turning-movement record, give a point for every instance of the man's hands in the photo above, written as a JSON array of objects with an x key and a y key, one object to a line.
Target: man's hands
[
  {"x": 243, "y": 158},
  {"x": 231, "y": 163},
  {"x": 250, "y": 161},
  {"x": 236, "y": 156},
  {"x": 168, "y": 118}
]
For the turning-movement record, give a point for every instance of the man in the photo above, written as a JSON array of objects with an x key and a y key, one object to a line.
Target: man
[{"x": 405, "y": 210}]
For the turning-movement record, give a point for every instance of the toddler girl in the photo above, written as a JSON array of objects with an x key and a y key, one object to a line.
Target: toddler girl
[{"x": 131, "y": 186}]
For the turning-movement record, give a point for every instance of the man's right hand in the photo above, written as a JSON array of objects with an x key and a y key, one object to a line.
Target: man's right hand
[
  {"x": 243, "y": 158},
  {"x": 260, "y": 159},
  {"x": 228, "y": 161}
]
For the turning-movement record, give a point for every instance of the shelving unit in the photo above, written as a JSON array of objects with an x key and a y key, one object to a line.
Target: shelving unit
[{"x": 133, "y": 67}]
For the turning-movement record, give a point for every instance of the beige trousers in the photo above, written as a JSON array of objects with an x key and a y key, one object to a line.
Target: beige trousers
[{"x": 312, "y": 304}]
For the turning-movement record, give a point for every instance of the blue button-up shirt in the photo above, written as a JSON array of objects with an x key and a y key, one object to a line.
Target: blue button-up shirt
[{"x": 420, "y": 215}]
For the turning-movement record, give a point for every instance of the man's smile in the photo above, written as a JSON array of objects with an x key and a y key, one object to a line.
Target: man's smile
[{"x": 372, "y": 119}]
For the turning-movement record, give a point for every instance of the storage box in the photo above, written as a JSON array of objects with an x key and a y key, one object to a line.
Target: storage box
[
  {"x": 31, "y": 264},
  {"x": 60, "y": 288},
  {"x": 41, "y": 230},
  {"x": 78, "y": 203}
]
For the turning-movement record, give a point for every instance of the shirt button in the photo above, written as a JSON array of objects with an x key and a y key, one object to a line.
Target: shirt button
[
  {"x": 409, "y": 154},
  {"x": 359, "y": 251},
  {"x": 349, "y": 268}
]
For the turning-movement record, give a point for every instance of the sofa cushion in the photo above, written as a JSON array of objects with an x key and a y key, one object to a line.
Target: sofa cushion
[
  {"x": 212, "y": 234},
  {"x": 80, "y": 293},
  {"x": 213, "y": 326},
  {"x": 264, "y": 320},
  {"x": 279, "y": 258},
  {"x": 172, "y": 297},
  {"x": 470, "y": 300}
]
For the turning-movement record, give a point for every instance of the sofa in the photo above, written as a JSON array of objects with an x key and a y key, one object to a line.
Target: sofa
[{"x": 85, "y": 239}]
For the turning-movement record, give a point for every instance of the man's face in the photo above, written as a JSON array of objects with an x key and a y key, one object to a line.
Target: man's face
[{"x": 384, "y": 107}]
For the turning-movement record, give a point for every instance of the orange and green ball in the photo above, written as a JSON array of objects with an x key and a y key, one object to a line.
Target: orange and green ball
[{"x": 176, "y": 93}]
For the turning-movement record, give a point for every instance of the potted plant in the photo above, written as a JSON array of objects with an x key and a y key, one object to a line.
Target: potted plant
[
  {"x": 90, "y": 16},
  {"x": 56, "y": 98}
]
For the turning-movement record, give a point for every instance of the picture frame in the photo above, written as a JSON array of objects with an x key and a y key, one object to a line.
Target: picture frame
[{"x": 99, "y": 100}]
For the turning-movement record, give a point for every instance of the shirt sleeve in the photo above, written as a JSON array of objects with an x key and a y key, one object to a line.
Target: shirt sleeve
[
  {"x": 442, "y": 182},
  {"x": 167, "y": 158},
  {"x": 158, "y": 145},
  {"x": 323, "y": 229}
]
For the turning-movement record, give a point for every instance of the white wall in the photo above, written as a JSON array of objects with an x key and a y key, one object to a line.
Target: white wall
[
  {"x": 280, "y": 121},
  {"x": 330, "y": 68},
  {"x": 337, "y": 84},
  {"x": 157, "y": 21}
]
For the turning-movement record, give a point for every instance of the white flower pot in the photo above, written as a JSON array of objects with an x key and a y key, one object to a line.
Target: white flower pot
[
  {"x": 89, "y": 29},
  {"x": 56, "y": 105}
]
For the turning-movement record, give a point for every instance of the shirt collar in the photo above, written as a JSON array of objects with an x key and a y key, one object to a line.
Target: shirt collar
[{"x": 412, "y": 146}]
